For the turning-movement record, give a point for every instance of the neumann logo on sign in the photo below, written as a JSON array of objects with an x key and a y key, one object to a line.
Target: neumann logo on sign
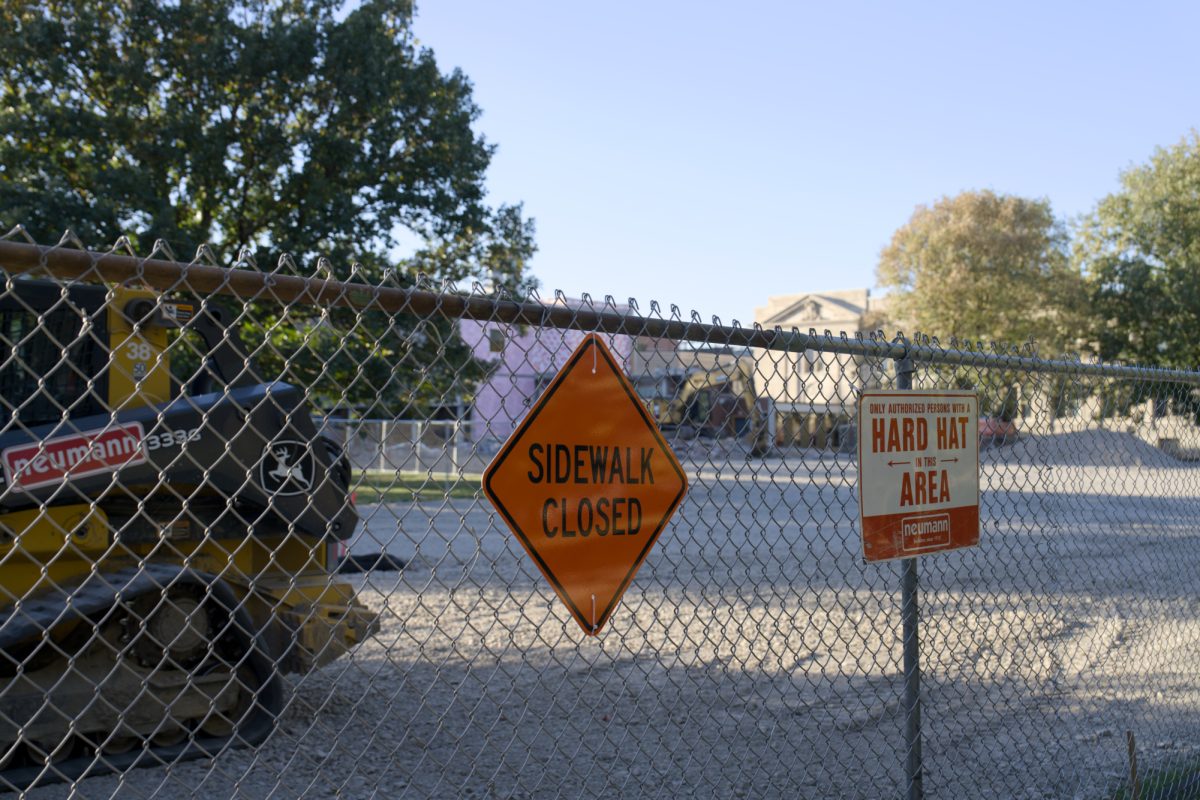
[
  {"x": 29, "y": 466},
  {"x": 924, "y": 532}
]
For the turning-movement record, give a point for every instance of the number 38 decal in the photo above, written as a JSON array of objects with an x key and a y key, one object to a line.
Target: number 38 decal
[{"x": 139, "y": 351}]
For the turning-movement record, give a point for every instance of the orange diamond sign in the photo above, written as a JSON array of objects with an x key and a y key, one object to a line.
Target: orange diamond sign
[{"x": 587, "y": 483}]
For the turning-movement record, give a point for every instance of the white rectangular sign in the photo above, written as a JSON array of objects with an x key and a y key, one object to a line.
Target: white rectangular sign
[{"x": 918, "y": 472}]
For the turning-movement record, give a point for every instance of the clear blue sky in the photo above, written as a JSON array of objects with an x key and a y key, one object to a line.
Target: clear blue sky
[{"x": 714, "y": 154}]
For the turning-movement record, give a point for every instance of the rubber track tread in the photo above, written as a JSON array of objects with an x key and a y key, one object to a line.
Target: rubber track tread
[{"x": 28, "y": 618}]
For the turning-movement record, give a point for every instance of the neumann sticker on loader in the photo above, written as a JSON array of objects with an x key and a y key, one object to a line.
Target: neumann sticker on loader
[{"x": 29, "y": 466}]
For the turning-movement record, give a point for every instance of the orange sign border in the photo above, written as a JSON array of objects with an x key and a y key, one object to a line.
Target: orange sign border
[
  {"x": 968, "y": 515},
  {"x": 596, "y": 344}
]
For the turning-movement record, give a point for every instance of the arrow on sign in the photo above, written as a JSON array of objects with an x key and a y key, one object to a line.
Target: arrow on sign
[
  {"x": 948, "y": 460},
  {"x": 897, "y": 463}
]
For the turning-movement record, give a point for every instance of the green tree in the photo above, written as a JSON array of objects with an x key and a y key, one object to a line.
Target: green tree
[
  {"x": 277, "y": 126},
  {"x": 1140, "y": 252},
  {"x": 984, "y": 266}
]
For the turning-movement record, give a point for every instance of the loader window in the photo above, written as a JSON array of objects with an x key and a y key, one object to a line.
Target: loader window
[
  {"x": 187, "y": 351},
  {"x": 647, "y": 388},
  {"x": 55, "y": 355}
]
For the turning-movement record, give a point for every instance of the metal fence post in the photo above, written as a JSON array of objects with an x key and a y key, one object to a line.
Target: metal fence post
[
  {"x": 383, "y": 434},
  {"x": 912, "y": 652},
  {"x": 455, "y": 430},
  {"x": 415, "y": 433}
]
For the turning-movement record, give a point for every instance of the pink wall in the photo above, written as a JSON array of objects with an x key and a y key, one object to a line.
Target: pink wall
[{"x": 528, "y": 362}]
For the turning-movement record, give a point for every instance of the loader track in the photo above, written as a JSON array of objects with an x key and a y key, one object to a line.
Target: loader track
[{"x": 150, "y": 664}]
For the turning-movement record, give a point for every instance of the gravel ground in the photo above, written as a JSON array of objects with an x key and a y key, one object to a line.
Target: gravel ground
[{"x": 756, "y": 656}]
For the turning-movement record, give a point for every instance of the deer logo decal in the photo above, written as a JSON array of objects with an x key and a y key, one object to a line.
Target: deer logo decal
[{"x": 287, "y": 468}]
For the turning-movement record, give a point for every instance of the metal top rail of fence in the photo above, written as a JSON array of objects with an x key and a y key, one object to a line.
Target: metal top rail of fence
[
  {"x": 74, "y": 264},
  {"x": 235, "y": 527}
]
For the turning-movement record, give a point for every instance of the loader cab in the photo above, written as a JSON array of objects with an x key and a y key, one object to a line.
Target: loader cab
[
  {"x": 51, "y": 368},
  {"x": 78, "y": 350}
]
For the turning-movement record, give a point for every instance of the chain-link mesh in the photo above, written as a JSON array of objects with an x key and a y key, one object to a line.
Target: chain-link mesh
[{"x": 244, "y": 551}]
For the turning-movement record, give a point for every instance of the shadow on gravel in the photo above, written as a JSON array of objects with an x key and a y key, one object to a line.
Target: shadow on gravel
[{"x": 576, "y": 721}]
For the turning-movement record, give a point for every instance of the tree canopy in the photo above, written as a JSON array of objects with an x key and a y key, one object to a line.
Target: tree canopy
[
  {"x": 1140, "y": 252},
  {"x": 280, "y": 126},
  {"x": 982, "y": 265}
]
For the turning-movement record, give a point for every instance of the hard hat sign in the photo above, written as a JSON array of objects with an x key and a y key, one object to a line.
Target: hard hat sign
[
  {"x": 918, "y": 472},
  {"x": 586, "y": 483}
]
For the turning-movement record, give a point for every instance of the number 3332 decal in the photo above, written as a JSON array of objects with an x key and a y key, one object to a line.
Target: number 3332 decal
[{"x": 171, "y": 438}]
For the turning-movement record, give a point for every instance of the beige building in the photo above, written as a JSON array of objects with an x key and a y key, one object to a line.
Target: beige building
[{"x": 813, "y": 392}]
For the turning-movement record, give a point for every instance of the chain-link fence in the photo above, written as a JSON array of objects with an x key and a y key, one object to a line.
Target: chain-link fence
[{"x": 244, "y": 551}]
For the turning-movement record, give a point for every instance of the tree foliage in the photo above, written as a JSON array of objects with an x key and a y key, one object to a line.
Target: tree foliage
[
  {"x": 984, "y": 266},
  {"x": 275, "y": 126},
  {"x": 1140, "y": 252}
]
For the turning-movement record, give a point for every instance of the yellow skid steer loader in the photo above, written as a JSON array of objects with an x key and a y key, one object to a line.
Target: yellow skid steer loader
[{"x": 166, "y": 546}]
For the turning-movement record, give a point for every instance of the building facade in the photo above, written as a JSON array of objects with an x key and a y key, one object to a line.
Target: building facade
[
  {"x": 669, "y": 377},
  {"x": 813, "y": 393}
]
